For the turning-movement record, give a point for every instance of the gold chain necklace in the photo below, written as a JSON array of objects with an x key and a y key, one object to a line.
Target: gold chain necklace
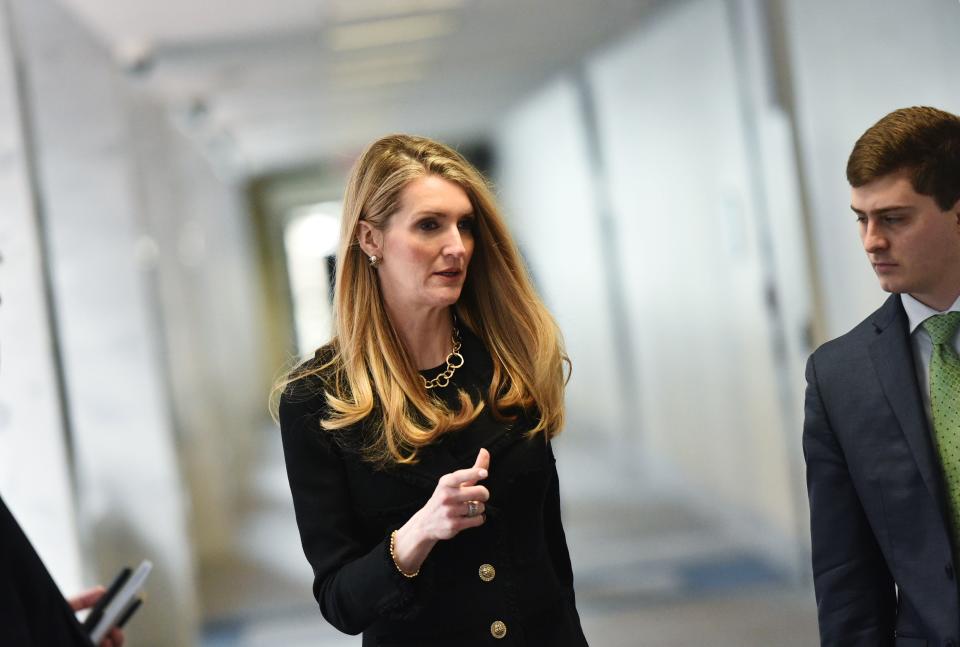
[{"x": 454, "y": 361}]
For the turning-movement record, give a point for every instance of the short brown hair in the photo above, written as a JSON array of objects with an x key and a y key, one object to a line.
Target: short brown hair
[{"x": 921, "y": 140}]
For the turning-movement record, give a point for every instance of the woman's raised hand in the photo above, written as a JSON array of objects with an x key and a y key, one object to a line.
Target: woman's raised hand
[
  {"x": 449, "y": 510},
  {"x": 457, "y": 504}
]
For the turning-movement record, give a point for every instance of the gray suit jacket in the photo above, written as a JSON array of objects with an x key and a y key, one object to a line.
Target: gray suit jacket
[{"x": 882, "y": 561}]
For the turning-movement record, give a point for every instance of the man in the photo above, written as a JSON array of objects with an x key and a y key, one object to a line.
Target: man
[
  {"x": 32, "y": 610},
  {"x": 881, "y": 434}
]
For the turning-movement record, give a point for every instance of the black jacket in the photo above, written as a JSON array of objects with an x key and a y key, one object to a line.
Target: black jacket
[
  {"x": 877, "y": 504},
  {"x": 33, "y": 612},
  {"x": 346, "y": 511}
]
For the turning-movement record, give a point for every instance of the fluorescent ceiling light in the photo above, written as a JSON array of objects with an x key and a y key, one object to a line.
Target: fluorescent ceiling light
[
  {"x": 358, "y": 98},
  {"x": 360, "y": 65},
  {"x": 349, "y": 10},
  {"x": 388, "y": 77},
  {"x": 389, "y": 32}
]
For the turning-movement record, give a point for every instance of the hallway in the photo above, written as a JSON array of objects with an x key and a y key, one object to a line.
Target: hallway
[
  {"x": 671, "y": 172},
  {"x": 648, "y": 572}
]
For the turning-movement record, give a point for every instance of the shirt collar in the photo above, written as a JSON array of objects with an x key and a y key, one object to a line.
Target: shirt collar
[{"x": 918, "y": 312}]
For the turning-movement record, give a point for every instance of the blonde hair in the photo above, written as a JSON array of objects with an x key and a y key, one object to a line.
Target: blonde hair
[{"x": 367, "y": 367}]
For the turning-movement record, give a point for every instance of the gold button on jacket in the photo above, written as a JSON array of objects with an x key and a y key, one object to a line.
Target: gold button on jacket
[
  {"x": 487, "y": 572},
  {"x": 498, "y": 629}
]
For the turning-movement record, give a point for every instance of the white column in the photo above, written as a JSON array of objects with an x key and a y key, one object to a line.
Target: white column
[
  {"x": 34, "y": 473},
  {"x": 209, "y": 296},
  {"x": 131, "y": 492}
]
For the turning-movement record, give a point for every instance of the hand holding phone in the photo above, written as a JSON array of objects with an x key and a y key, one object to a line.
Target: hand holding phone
[
  {"x": 115, "y": 606},
  {"x": 88, "y": 599}
]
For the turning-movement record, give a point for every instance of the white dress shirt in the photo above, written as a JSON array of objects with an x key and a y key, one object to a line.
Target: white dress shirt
[{"x": 922, "y": 345}]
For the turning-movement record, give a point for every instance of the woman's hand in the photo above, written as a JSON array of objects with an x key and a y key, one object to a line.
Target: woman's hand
[
  {"x": 456, "y": 504},
  {"x": 87, "y": 599}
]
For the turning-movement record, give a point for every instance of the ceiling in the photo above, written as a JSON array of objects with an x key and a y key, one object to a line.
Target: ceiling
[{"x": 287, "y": 82}]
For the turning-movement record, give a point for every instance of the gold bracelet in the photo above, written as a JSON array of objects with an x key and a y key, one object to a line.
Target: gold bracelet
[{"x": 393, "y": 555}]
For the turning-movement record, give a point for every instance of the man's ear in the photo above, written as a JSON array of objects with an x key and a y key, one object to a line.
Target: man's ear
[{"x": 370, "y": 239}]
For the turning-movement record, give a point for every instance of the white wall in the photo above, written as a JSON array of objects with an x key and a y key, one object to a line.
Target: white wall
[
  {"x": 544, "y": 181},
  {"x": 34, "y": 474},
  {"x": 853, "y": 62},
  {"x": 716, "y": 365},
  {"x": 130, "y": 492},
  {"x": 702, "y": 170},
  {"x": 203, "y": 269},
  {"x": 676, "y": 156}
]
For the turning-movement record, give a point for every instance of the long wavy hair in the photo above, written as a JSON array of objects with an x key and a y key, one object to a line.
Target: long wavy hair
[{"x": 365, "y": 371}]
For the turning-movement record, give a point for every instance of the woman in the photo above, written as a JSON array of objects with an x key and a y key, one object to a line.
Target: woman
[{"x": 417, "y": 441}]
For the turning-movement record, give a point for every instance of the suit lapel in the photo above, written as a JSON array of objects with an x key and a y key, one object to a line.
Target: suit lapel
[
  {"x": 434, "y": 462},
  {"x": 893, "y": 360},
  {"x": 437, "y": 459}
]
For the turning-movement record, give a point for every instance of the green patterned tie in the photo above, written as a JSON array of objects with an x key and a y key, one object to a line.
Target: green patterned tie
[{"x": 945, "y": 407}]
